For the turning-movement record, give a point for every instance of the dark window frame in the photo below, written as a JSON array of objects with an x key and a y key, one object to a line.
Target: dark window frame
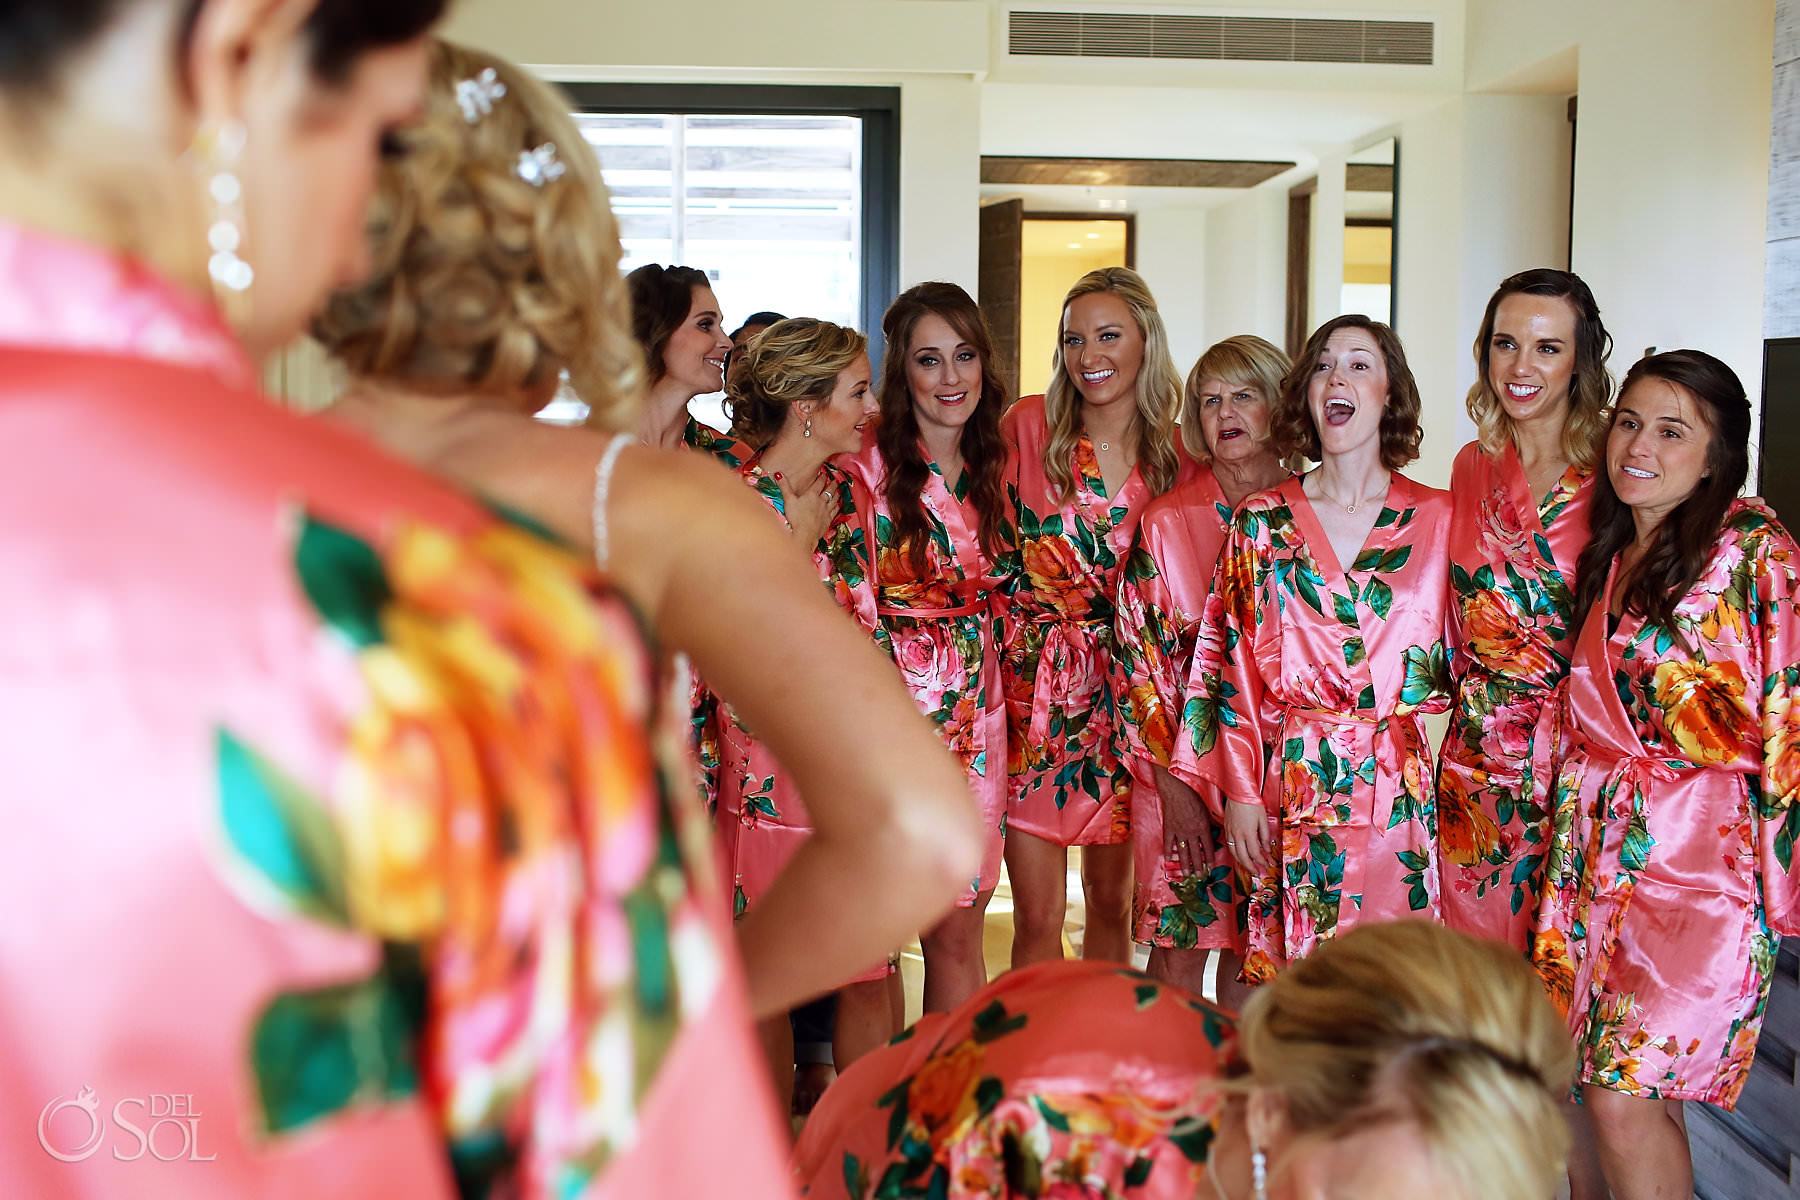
[{"x": 879, "y": 110}]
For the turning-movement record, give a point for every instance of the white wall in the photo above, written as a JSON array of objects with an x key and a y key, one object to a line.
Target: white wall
[
  {"x": 940, "y": 180},
  {"x": 1671, "y": 177},
  {"x": 1171, "y": 256},
  {"x": 1246, "y": 266}
]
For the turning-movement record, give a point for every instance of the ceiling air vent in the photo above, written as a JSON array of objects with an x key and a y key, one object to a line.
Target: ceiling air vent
[{"x": 1253, "y": 39}]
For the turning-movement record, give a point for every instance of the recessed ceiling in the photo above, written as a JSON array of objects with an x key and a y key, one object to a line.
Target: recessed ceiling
[{"x": 1122, "y": 200}]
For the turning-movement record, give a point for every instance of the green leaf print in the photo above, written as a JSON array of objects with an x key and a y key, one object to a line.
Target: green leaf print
[
  {"x": 315, "y": 1053},
  {"x": 1308, "y": 588},
  {"x": 1353, "y": 652},
  {"x": 1634, "y": 854},
  {"x": 1193, "y": 1137},
  {"x": 1368, "y": 560},
  {"x": 343, "y": 579},
  {"x": 1056, "y": 1120},
  {"x": 1138, "y": 1173},
  {"x": 1427, "y": 674},
  {"x": 1345, "y": 608},
  {"x": 274, "y": 827},
  {"x": 994, "y": 1022},
  {"x": 1200, "y": 717},
  {"x": 988, "y": 1094},
  {"x": 856, "y": 1176},
  {"x": 1379, "y": 597},
  {"x": 1144, "y": 995},
  {"x": 1387, "y": 517}
]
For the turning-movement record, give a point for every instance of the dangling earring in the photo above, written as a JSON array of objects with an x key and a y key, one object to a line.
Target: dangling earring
[
  {"x": 1259, "y": 1173},
  {"x": 219, "y": 148},
  {"x": 807, "y": 432}
]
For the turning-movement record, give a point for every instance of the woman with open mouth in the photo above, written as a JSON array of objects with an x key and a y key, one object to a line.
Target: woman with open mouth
[
  {"x": 1671, "y": 873},
  {"x": 931, "y": 495},
  {"x": 1188, "y": 898},
  {"x": 1093, "y": 451},
  {"x": 1522, "y": 489},
  {"x": 1325, "y": 641}
]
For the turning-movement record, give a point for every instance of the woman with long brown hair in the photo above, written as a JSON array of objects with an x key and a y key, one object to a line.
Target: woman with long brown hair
[
  {"x": 1671, "y": 869},
  {"x": 931, "y": 498},
  {"x": 1092, "y": 452}
]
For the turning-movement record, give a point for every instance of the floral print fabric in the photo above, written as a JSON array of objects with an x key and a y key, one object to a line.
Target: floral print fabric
[
  {"x": 1310, "y": 687},
  {"x": 1162, "y": 595},
  {"x": 1670, "y": 876},
  {"x": 361, "y": 827},
  {"x": 1065, "y": 1080},
  {"x": 1068, "y": 783},
  {"x": 941, "y": 626},
  {"x": 1512, "y": 629}
]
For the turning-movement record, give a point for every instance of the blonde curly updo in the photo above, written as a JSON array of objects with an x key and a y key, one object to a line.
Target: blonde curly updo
[
  {"x": 482, "y": 281},
  {"x": 1414, "y": 1022},
  {"x": 790, "y": 361}
]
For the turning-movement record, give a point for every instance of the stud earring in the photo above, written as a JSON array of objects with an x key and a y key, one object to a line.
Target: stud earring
[
  {"x": 1259, "y": 1173},
  {"x": 219, "y": 149}
]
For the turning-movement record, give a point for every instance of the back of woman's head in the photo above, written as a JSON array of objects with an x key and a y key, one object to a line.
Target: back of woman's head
[
  {"x": 1412, "y": 1022},
  {"x": 38, "y": 38},
  {"x": 495, "y": 253},
  {"x": 661, "y": 298},
  {"x": 790, "y": 361}
]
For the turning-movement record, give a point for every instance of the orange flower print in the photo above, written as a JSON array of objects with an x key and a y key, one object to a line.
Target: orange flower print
[
  {"x": 1467, "y": 836},
  {"x": 1300, "y": 794},
  {"x": 1237, "y": 577},
  {"x": 1550, "y": 955},
  {"x": 1503, "y": 642},
  {"x": 1055, "y": 573},
  {"x": 1258, "y": 967},
  {"x": 1781, "y": 748},
  {"x": 942, "y": 1094},
  {"x": 1704, "y": 708},
  {"x": 1152, "y": 721},
  {"x": 902, "y": 588}
]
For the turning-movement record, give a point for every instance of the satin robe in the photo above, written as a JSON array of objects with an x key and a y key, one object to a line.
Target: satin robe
[
  {"x": 1671, "y": 876},
  {"x": 701, "y": 699},
  {"x": 941, "y": 626},
  {"x": 319, "y": 778},
  {"x": 1068, "y": 784},
  {"x": 1162, "y": 594},
  {"x": 1512, "y": 628},
  {"x": 761, "y": 817},
  {"x": 1064, "y": 1079},
  {"x": 1333, "y": 671}
]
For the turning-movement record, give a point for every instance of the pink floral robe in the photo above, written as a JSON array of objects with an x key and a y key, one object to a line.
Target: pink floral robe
[
  {"x": 1512, "y": 628},
  {"x": 321, "y": 781},
  {"x": 701, "y": 699},
  {"x": 1065, "y": 1080},
  {"x": 1068, "y": 783},
  {"x": 1333, "y": 672},
  {"x": 760, "y": 815},
  {"x": 1162, "y": 595},
  {"x": 941, "y": 626},
  {"x": 1671, "y": 875}
]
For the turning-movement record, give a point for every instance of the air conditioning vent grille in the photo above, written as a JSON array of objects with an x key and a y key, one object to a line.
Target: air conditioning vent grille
[{"x": 1252, "y": 39}]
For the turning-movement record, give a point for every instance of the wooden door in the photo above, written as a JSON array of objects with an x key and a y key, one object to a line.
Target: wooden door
[{"x": 1002, "y": 257}]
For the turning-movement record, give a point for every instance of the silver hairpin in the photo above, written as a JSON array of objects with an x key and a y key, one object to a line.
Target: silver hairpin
[
  {"x": 538, "y": 167},
  {"x": 477, "y": 96}
]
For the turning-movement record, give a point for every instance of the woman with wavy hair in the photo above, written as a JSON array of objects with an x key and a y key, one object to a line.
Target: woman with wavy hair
[
  {"x": 931, "y": 495},
  {"x": 799, "y": 398},
  {"x": 1092, "y": 452},
  {"x": 1320, "y": 652},
  {"x": 495, "y": 273},
  {"x": 1670, "y": 875},
  {"x": 1404, "y": 1061},
  {"x": 1519, "y": 521},
  {"x": 1188, "y": 900}
]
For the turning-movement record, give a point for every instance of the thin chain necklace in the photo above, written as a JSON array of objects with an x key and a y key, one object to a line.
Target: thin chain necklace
[{"x": 1349, "y": 508}]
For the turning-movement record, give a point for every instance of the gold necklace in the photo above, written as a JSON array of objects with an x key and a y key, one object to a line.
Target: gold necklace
[{"x": 1348, "y": 508}]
